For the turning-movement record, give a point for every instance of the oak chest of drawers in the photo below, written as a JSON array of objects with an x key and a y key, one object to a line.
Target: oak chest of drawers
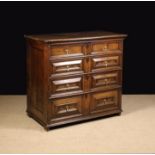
[{"x": 73, "y": 77}]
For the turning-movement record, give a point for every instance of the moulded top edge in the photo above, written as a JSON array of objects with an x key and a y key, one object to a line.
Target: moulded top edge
[{"x": 76, "y": 36}]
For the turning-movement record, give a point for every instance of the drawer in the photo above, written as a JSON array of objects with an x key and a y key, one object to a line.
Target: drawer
[
  {"x": 66, "y": 108},
  {"x": 106, "y": 46},
  {"x": 66, "y": 50},
  {"x": 64, "y": 85},
  {"x": 109, "y": 61},
  {"x": 105, "y": 79},
  {"x": 67, "y": 67},
  {"x": 104, "y": 101}
]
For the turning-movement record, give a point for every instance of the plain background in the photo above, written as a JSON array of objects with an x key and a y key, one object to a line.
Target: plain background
[{"x": 133, "y": 18}]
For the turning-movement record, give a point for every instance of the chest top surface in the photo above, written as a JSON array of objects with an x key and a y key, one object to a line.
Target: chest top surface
[{"x": 76, "y": 36}]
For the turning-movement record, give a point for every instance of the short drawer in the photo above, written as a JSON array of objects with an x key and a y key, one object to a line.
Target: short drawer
[
  {"x": 66, "y": 108},
  {"x": 105, "y": 62},
  {"x": 105, "y": 79},
  {"x": 67, "y": 84},
  {"x": 106, "y": 47},
  {"x": 104, "y": 101},
  {"x": 67, "y": 67},
  {"x": 66, "y": 50}
]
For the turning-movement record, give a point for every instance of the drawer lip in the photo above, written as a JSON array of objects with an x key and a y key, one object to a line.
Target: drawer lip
[
  {"x": 61, "y": 76},
  {"x": 66, "y": 117},
  {"x": 67, "y": 74},
  {"x": 67, "y": 56},
  {"x": 108, "y": 69},
  {"x": 70, "y": 62},
  {"x": 68, "y": 94},
  {"x": 105, "y": 52},
  {"x": 61, "y": 81},
  {"x": 105, "y": 88},
  {"x": 76, "y": 93}
]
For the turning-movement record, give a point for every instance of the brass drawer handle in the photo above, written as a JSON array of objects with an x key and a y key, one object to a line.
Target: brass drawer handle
[
  {"x": 106, "y": 63},
  {"x": 68, "y": 69},
  {"x": 106, "y": 81},
  {"x": 67, "y": 51},
  {"x": 105, "y": 101},
  {"x": 67, "y": 108},
  {"x": 105, "y": 47}
]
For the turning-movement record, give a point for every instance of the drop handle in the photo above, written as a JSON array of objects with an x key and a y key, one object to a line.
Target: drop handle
[
  {"x": 106, "y": 63},
  {"x": 67, "y": 51},
  {"x": 105, "y": 101},
  {"x": 106, "y": 81},
  {"x": 67, "y": 108},
  {"x": 105, "y": 47},
  {"x": 67, "y": 85},
  {"x": 68, "y": 69}
]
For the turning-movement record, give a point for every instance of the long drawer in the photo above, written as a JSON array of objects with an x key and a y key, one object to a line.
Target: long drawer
[
  {"x": 80, "y": 49},
  {"x": 84, "y": 83},
  {"x": 83, "y": 105},
  {"x": 85, "y": 65}
]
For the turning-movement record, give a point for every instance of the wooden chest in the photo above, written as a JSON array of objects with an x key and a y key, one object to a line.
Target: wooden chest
[{"x": 72, "y": 77}]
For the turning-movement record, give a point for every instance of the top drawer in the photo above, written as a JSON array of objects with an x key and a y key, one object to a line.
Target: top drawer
[
  {"x": 66, "y": 50},
  {"x": 110, "y": 46}
]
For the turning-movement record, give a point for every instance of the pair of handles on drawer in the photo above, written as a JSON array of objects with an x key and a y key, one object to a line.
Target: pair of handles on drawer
[{"x": 67, "y": 50}]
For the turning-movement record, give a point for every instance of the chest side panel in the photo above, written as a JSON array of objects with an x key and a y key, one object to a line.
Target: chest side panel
[{"x": 36, "y": 83}]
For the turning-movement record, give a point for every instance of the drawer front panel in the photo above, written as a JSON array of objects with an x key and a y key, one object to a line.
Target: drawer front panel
[
  {"x": 107, "y": 46},
  {"x": 66, "y": 50},
  {"x": 99, "y": 63},
  {"x": 67, "y": 107},
  {"x": 66, "y": 85},
  {"x": 105, "y": 79},
  {"x": 67, "y": 66},
  {"x": 104, "y": 101}
]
